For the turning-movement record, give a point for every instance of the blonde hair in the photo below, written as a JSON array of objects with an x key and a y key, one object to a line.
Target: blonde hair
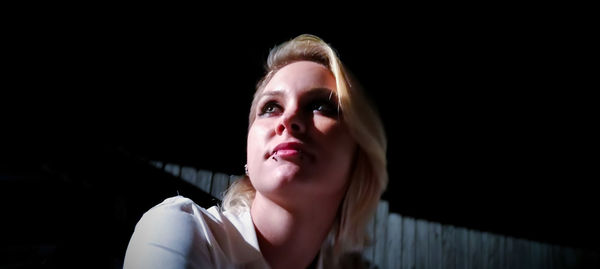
[{"x": 369, "y": 176}]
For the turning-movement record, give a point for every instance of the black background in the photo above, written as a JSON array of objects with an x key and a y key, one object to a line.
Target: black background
[{"x": 488, "y": 123}]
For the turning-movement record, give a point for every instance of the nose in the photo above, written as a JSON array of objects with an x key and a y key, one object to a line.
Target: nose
[{"x": 293, "y": 122}]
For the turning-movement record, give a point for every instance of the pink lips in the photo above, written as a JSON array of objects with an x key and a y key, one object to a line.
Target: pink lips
[{"x": 287, "y": 149}]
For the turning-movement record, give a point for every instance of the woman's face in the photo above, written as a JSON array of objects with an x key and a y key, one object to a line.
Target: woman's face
[{"x": 298, "y": 146}]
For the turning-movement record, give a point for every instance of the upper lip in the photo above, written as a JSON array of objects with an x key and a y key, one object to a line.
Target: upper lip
[{"x": 289, "y": 145}]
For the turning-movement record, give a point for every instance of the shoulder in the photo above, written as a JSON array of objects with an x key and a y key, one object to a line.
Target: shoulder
[
  {"x": 181, "y": 211},
  {"x": 179, "y": 206},
  {"x": 179, "y": 216},
  {"x": 179, "y": 232},
  {"x": 167, "y": 235}
]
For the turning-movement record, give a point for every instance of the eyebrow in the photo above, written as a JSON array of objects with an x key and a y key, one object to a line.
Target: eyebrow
[
  {"x": 270, "y": 93},
  {"x": 312, "y": 92}
]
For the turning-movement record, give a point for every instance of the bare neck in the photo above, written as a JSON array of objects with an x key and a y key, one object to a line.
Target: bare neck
[{"x": 291, "y": 238}]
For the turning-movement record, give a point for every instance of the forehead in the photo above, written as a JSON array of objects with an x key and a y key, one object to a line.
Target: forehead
[{"x": 300, "y": 77}]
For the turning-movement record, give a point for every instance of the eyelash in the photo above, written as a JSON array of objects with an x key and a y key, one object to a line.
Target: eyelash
[
  {"x": 264, "y": 111},
  {"x": 330, "y": 107}
]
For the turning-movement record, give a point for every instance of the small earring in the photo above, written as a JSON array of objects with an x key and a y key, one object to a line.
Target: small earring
[{"x": 246, "y": 169}]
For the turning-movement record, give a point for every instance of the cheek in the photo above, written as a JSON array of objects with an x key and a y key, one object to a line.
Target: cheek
[
  {"x": 256, "y": 142},
  {"x": 331, "y": 130},
  {"x": 326, "y": 126},
  {"x": 344, "y": 149},
  {"x": 337, "y": 139},
  {"x": 252, "y": 144},
  {"x": 339, "y": 151}
]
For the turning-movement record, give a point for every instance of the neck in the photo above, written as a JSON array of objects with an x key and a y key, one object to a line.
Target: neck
[{"x": 291, "y": 238}]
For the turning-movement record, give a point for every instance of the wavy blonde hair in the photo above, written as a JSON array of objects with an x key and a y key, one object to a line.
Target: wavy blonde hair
[{"x": 369, "y": 177}]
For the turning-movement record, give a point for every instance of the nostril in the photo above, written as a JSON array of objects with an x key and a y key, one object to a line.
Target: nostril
[{"x": 295, "y": 127}]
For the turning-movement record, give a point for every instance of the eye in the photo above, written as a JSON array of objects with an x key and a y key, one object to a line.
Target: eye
[
  {"x": 325, "y": 107},
  {"x": 270, "y": 108}
]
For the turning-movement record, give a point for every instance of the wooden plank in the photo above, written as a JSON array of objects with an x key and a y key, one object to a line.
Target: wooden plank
[
  {"x": 485, "y": 248},
  {"x": 535, "y": 255},
  {"x": 518, "y": 253},
  {"x": 381, "y": 223},
  {"x": 408, "y": 244},
  {"x": 189, "y": 174},
  {"x": 462, "y": 248},
  {"x": 368, "y": 251},
  {"x": 157, "y": 164},
  {"x": 562, "y": 257},
  {"x": 492, "y": 250},
  {"x": 219, "y": 185},
  {"x": 172, "y": 169},
  {"x": 435, "y": 246},
  {"x": 522, "y": 253},
  {"x": 475, "y": 260},
  {"x": 501, "y": 252},
  {"x": 510, "y": 253},
  {"x": 204, "y": 180},
  {"x": 448, "y": 247},
  {"x": 544, "y": 255},
  {"x": 421, "y": 244},
  {"x": 557, "y": 261},
  {"x": 232, "y": 179},
  {"x": 527, "y": 253},
  {"x": 394, "y": 242},
  {"x": 570, "y": 257},
  {"x": 550, "y": 254}
]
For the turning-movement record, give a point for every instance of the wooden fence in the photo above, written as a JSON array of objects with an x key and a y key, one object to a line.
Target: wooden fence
[{"x": 405, "y": 242}]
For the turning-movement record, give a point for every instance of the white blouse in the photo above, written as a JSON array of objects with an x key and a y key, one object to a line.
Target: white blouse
[{"x": 178, "y": 233}]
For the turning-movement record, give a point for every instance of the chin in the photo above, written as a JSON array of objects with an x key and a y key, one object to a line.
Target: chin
[
  {"x": 286, "y": 174},
  {"x": 283, "y": 186},
  {"x": 282, "y": 179}
]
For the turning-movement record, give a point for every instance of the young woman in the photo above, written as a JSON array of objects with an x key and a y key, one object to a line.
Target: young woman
[{"x": 316, "y": 170}]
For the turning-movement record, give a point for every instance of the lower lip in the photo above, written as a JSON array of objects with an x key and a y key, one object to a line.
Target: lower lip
[{"x": 286, "y": 153}]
